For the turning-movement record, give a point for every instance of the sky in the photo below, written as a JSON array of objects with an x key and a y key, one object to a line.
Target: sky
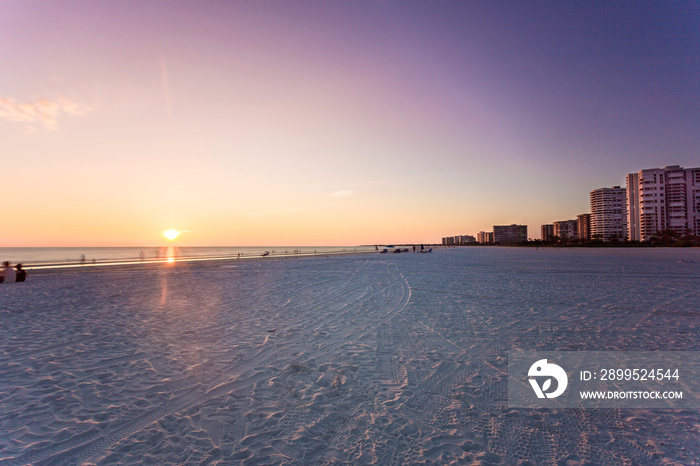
[{"x": 332, "y": 123}]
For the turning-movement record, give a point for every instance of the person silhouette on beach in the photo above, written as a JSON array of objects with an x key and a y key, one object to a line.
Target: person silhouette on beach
[
  {"x": 21, "y": 275},
  {"x": 9, "y": 275}
]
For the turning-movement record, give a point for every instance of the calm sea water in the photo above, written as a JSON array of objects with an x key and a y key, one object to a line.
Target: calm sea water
[{"x": 75, "y": 255}]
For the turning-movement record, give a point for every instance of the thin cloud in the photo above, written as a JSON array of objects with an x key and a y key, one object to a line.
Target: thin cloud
[
  {"x": 343, "y": 193},
  {"x": 73, "y": 108},
  {"x": 44, "y": 111}
]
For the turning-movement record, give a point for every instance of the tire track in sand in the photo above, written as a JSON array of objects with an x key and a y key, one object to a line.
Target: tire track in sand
[{"x": 93, "y": 444}]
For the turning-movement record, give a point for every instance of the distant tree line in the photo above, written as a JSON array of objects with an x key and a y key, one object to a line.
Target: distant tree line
[{"x": 666, "y": 237}]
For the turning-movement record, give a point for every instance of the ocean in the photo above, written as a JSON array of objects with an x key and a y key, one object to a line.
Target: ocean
[{"x": 38, "y": 257}]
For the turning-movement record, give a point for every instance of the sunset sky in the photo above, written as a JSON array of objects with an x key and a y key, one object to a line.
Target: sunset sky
[{"x": 332, "y": 123}]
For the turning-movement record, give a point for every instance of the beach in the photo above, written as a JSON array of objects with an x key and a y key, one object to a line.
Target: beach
[{"x": 353, "y": 359}]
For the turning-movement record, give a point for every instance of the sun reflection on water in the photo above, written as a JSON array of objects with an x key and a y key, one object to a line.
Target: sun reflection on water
[{"x": 169, "y": 254}]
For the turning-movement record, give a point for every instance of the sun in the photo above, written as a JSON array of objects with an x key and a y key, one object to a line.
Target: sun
[{"x": 171, "y": 234}]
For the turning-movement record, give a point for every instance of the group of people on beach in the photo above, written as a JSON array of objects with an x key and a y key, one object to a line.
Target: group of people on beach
[{"x": 9, "y": 274}]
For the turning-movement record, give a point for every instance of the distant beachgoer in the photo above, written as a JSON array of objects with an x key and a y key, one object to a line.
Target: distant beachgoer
[
  {"x": 9, "y": 275},
  {"x": 414, "y": 249},
  {"x": 21, "y": 273}
]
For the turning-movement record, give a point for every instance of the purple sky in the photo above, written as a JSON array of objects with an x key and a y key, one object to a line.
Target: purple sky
[{"x": 333, "y": 122}]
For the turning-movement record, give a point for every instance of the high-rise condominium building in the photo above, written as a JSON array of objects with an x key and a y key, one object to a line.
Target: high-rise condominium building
[
  {"x": 505, "y": 234},
  {"x": 663, "y": 198},
  {"x": 484, "y": 237},
  {"x": 547, "y": 232},
  {"x": 609, "y": 213},
  {"x": 566, "y": 229},
  {"x": 584, "y": 226}
]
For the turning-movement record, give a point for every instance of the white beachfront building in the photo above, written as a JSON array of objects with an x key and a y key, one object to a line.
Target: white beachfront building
[
  {"x": 663, "y": 198},
  {"x": 609, "y": 213}
]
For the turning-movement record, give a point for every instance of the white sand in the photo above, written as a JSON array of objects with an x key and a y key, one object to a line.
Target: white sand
[{"x": 383, "y": 359}]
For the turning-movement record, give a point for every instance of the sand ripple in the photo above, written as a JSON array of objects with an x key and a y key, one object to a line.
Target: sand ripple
[{"x": 354, "y": 360}]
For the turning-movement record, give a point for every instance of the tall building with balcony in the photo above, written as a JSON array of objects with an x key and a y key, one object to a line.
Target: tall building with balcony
[
  {"x": 609, "y": 213},
  {"x": 584, "y": 226},
  {"x": 484, "y": 237},
  {"x": 566, "y": 229},
  {"x": 547, "y": 232},
  {"x": 663, "y": 198},
  {"x": 509, "y": 234}
]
